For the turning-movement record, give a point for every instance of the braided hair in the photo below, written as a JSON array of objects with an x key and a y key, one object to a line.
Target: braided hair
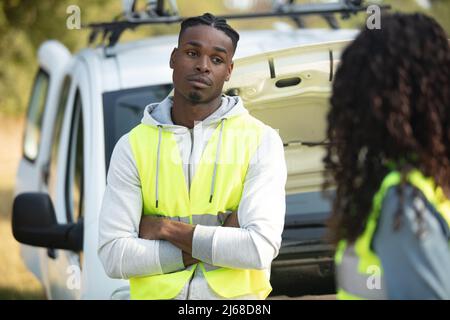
[
  {"x": 390, "y": 104},
  {"x": 209, "y": 19}
]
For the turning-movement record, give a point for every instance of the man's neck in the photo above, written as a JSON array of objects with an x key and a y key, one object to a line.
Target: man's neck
[{"x": 185, "y": 113}]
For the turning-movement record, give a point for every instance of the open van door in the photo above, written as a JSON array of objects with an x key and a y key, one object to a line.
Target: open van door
[
  {"x": 32, "y": 175},
  {"x": 289, "y": 90}
]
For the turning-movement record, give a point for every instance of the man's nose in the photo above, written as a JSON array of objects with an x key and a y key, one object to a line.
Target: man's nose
[{"x": 202, "y": 65}]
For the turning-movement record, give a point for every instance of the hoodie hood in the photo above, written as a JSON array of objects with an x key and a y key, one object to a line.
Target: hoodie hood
[{"x": 159, "y": 115}]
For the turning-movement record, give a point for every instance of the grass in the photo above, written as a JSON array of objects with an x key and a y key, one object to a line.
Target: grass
[{"x": 16, "y": 282}]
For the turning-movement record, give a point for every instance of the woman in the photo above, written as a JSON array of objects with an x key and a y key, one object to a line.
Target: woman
[{"x": 389, "y": 157}]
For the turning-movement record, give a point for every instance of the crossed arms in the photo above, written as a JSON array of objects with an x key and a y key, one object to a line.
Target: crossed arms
[
  {"x": 178, "y": 233},
  {"x": 131, "y": 245}
]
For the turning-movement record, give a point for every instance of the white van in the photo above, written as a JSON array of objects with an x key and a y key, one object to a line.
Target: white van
[{"x": 82, "y": 104}]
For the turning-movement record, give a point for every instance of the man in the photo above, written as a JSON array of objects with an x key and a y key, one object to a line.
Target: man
[{"x": 195, "y": 202}]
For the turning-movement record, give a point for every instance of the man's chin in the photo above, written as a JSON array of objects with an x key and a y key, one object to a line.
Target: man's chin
[{"x": 195, "y": 97}]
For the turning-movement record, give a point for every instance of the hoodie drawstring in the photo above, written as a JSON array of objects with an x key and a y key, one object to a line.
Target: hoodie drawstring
[
  {"x": 213, "y": 182},
  {"x": 157, "y": 162}
]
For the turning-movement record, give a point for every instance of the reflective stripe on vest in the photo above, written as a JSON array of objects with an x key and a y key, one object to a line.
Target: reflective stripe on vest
[
  {"x": 359, "y": 272},
  {"x": 214, "y": 193}
]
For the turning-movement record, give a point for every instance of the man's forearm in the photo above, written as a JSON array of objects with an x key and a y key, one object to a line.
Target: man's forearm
[
  {"x": 157, "y": 228},
  {"x": 179, "y": 234}
]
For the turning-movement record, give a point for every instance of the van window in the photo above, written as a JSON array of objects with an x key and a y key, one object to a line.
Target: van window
[
  {"x": 53, "y": 163},
  {"x": 74, "y": 175},
  {"x": 35, "y": 115},
  {"x": 123, "y": 110}
]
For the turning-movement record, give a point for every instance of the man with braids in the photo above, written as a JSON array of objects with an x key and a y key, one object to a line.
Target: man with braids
[
  {"x": 194, "y": 205},
  {"x": 389, "y": 157}
]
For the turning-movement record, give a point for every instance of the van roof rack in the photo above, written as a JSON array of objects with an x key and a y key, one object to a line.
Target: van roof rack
[{"x": 156, "y": 13}]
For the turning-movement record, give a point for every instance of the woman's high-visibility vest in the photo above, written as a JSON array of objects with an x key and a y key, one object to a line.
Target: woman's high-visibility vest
[
  {"x": 359, "y": 272},
  {"x": 215, "y": 189}
]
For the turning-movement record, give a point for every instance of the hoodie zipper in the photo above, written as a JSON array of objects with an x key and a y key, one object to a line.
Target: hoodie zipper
[
  {"x": 189, "y": 176},
  {"x": 191, "y": 135}
]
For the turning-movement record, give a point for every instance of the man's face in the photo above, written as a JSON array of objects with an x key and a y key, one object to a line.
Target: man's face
[{"x": 202, "y": 63}]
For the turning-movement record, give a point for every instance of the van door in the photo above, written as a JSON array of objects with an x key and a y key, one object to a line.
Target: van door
[
  {"x": 67, "y": 176},
  {"x": 32, "y": 173},
  {"x": 289, "y": 90}
]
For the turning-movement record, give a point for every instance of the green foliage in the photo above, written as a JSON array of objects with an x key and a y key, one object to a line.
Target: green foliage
[{"x": 25, "y": 24}]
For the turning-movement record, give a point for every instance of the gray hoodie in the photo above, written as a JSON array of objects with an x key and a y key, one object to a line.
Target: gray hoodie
[{"x": 261, "y": 210}]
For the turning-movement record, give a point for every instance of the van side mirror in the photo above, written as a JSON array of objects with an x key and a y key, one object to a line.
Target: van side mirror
[{"x": 34, "y": 223}]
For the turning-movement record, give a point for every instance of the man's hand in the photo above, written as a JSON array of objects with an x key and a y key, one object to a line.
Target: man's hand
[
  {"x": 178, "y": 233},
  {"x": 151, "y": 227},
  {"x": 188, "y": 260},
  {"x": 232, "y": 220}
]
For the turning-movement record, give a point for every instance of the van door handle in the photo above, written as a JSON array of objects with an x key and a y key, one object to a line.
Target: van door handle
[
  {"x": 51, "y": 253},
  {"x": 45, "y": 173}
]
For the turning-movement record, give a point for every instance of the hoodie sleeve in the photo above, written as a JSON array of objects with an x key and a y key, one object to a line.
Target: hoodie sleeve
[
  {"x": 261, "y": 215},
  {"x": 122, "y": 253}
]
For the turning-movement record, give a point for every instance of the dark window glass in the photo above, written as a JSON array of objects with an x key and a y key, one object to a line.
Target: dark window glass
[
  {"x": 123, "y": 110},
  {"x": 35, "y": 116},
  {"x": 74, "y": 180}
]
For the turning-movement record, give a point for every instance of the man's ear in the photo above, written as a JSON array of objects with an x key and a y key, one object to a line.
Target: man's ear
[
  {"x": 172, "y": 57},
  {"x": 230, "y": 70}
]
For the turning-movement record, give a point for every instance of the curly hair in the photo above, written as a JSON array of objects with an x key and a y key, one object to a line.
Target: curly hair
[{"x": 390, "y": 104}]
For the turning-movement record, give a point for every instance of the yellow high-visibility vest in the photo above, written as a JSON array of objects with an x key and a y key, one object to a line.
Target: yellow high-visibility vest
[
  {"x": 216, "y": 188},
  {"x": 356, "y": 263}
]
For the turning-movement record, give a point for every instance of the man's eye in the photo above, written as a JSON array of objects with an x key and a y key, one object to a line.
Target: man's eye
[
  {"x": 191, "y": 53},
  {"x": 216, "y": 60}
]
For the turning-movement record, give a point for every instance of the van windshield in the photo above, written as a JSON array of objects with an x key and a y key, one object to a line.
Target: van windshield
[{"x": 123, "y": 110}]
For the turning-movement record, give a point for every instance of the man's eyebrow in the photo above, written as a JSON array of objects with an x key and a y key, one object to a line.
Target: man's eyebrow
[
  {"x": 198, "y": 44},
  {"x": 221, "y": 49},
  {"x": 194, "y": 43}
]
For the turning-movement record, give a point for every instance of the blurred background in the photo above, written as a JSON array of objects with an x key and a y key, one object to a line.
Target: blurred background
[{"x": 25, "y": 24}]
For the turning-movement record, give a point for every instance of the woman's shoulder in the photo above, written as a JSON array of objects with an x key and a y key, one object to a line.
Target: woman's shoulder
[
  {"x": 412, "y": 242},
  {"x": 406, "y": 206}
]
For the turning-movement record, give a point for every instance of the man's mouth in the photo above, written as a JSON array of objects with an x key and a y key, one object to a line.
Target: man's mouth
[{"x": 199, "y": 82}]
